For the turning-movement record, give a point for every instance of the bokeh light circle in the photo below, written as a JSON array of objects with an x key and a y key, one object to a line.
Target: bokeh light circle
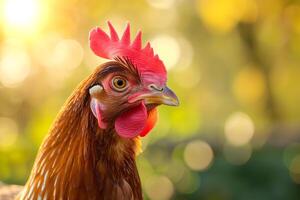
[
  {"x": 159, "y": 188},
  {"x": 21, "y": 14},
  {"x": 168, "y": 49},
  {"x": 221, "y": 16},
  {"x": 198, "y": 155},
  {"x": 239, "y": 129},
  {"x": 15, "y": 65},
  {"x": 161, "y": 4},
  {"x": 59, "y": 57}
]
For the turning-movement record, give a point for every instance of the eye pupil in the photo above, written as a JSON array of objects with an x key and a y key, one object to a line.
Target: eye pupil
[{"x": 120, "y": 82}]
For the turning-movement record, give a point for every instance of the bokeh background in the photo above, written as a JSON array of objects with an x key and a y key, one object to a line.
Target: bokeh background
[{"x": 235, "y": 65}]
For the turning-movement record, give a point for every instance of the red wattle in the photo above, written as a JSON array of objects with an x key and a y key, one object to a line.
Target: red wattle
[
  {"x": 151, "y": 121},
  {"x": 132, "y": 122}
]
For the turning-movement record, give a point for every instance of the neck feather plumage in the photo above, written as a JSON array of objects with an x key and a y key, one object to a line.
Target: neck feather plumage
[{"x": 77, "y": 160}]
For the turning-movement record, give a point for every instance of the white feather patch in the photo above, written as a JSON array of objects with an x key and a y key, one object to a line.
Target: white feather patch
[{"x": 95, "y": 90}]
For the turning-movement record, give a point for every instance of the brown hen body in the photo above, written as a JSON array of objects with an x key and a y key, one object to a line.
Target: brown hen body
[{"x": 77, "y": 160}]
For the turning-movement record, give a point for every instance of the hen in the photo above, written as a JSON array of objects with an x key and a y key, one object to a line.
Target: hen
[{"x": 90, "y": 150}]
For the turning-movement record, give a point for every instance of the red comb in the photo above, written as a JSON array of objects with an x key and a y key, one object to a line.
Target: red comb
[{"x": 112, "y": 47}]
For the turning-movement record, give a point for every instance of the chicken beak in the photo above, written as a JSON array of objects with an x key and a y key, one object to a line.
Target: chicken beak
[{"x": 164, "y": 96}]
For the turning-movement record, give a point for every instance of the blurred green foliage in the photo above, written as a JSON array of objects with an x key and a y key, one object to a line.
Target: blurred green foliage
[{"x": 233, "y": 63}]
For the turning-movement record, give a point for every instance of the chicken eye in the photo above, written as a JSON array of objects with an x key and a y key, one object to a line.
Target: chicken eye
[{"x": 119, "y": 83}]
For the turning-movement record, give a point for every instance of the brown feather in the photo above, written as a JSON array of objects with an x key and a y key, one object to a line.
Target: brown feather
[{"x": 77, "y": 160}]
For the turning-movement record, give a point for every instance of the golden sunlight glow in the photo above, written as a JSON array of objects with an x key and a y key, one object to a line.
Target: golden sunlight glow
[
  {"x": 188, "y": 78},
  {"x": 198, "y": 155},
  {"x": 223, "y": 15},
  {"x": 249, "y": 85},
  {"x": 168, "y": 49},
  {"x": 20, "y": 14},
  {"x": 161, "y": 4},
  {"x": 239, "y": 129},
  {"x": 68, "y": 53},
  {"x": 186, "y": 54},
  {"x": 15, "y": 65},
  {"x": 292, "y": 13},
  {"x": 59, "y": 57}
]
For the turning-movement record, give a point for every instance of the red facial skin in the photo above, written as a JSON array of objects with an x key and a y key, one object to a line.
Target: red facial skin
[
  {"x": 138, "y": 119},
  {"x": 151, "y": 71}
]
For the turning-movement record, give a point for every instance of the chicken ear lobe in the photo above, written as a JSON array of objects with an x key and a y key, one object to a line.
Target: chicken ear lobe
[
  {"x": 96, "y": 106},
  {"x": 96, "y": 110}
]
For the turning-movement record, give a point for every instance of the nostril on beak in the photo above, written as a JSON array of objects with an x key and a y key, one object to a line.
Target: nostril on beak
[{"x": 156, "y": 88}]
